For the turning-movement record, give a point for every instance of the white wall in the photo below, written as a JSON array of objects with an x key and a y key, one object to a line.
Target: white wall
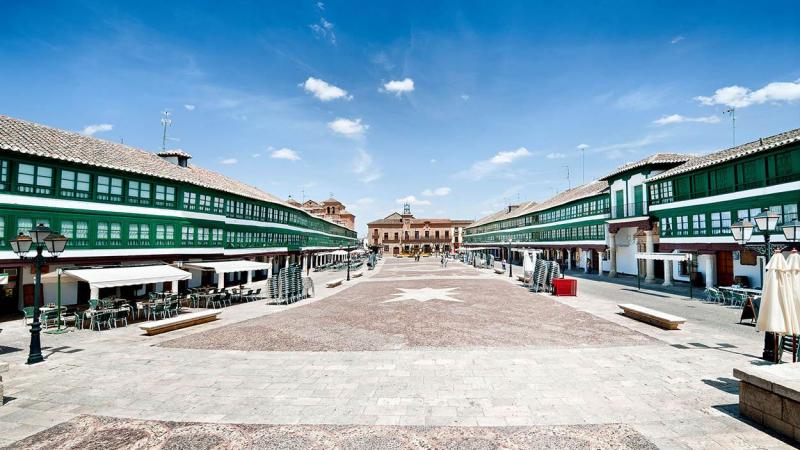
[
  {"x": 626, "y": 251},
  {"x": 751, "y": 272}
]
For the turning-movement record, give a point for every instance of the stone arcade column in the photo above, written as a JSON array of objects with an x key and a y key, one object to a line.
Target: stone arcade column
[
  {"x": 271, "y": 263},
  {"x": 667, "y": 273},
  {"x": 650, "y": 267},
  {"x": 612, "y": 254},
  {"x": 569, "y": 259}
]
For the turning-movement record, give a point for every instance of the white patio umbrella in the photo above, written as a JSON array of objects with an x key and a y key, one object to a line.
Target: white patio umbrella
[
  {"x": 527, "y": 263},
  {"x": 770, "y": 314},
  {"x": 792, "y": 302}
]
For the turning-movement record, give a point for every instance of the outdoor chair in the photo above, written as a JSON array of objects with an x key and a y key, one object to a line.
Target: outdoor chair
[
  {"x": 80, "y": 318},
  {"x": 214, "y": 301},
  {"x": 175, "y": 307},
  {"x": 116, "y": 316},
  {"x": 48, "y": 318},
  {"x": 93, "y": 303},
  {"x": 100, "y": 318},
  {"x": 27, "y": 319},
  {"x": 156, "y": 310},
  {"x": 713, "y": 295},
  {"x": 739, "y": 299}
]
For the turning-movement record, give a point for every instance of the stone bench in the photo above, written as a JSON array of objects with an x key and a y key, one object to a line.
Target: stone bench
[
  {"x": 770, "y": 396},
  {"x": 357, "y": 274},
  {"x": 178, "y": 322},
  {"x": 334, "y": 283},
  {"x": 651, "y": 316},
  {"x": 499, "y": 271},
  {"x": 3, "y": 368}
]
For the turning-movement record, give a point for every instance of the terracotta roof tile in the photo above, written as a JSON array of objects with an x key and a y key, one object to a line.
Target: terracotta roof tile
[
  {"x": 655, "y": 159},
  {"x": 30, "y": 138},
  {"x": 761, "y": 145}
]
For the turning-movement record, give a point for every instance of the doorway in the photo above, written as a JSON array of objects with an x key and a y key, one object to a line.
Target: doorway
[{"x": 724, "y": 268}]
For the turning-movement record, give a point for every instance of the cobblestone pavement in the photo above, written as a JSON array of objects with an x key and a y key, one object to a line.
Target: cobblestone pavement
[
  {"x": 674, "y": 388},
  {"x": 86, "y": 432}
]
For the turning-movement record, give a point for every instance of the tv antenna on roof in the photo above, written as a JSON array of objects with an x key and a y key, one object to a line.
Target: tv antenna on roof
[
  {"x": 166, "y": 121},
  {"x": 732, "y": 112},
  {"x": 569, "y": 184}
]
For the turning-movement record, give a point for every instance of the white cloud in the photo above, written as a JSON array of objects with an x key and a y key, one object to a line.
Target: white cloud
[
  {"x": 285, "y": 153},
  {"x": 438, "y": 192},
  {"x": 619, "y": 150},
  {"x": 411, "y": 200},
  {"x": 323, "y": 90},
  {"x": 348, "y": 128},
  {"x": 365, "y": 167},
  {"x": 741, "y": 97},
  {"x": 229, "y": 161},
  {"x": 399, "y": 87},
  {"x": 677, "y": 39},
  {"x": 482, "y": 169},
  {"x": 582, "y": 146},
  {"x": 324, "y": 30},
  {"x": 189, "y": 107},
  {"x": 677, "y": 118},
  {"x": 555, "y": 155},
  {"x": 509, "y": 156},
  {"x": 433, "y": 160},
  {"x": 256, "y": 155},
  {"x": 464, "y": 97},
  {"x": 91, "y": 130},
  {"x": 321, "y": 6},
  {"x": 641, "y": 99}
]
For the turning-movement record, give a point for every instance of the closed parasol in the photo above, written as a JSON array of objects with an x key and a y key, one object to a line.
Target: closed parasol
[{"x": 770, "y": 315}]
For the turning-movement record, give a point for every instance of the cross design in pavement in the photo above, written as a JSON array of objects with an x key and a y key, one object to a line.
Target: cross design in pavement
[{"x": 424, "y": 295}]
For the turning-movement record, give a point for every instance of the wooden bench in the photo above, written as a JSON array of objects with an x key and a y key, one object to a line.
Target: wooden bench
[
  {"x": 357, "y": 274},
  {"x": 651, "y": 316},
  {"x": 178, "y": 322},
  {"x": 334, "y": 283}
]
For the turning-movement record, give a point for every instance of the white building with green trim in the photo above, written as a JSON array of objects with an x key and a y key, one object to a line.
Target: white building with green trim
[
  {"x": 122, "y": 205},
  {"x": 664, "y": 203}
]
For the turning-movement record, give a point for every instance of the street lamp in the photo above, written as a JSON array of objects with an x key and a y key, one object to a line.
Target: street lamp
[
  {"x": 348, "y": 261},
  {"x": 41, "y": 237},
  {"x": 510, "y": 239},
  {"x": 742, "y": 232}
]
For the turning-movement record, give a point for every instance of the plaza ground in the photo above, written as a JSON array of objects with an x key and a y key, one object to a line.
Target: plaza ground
[{"x": 410, "y": 355}]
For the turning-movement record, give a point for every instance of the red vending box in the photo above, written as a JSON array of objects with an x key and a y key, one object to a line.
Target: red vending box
[{"x": 565, "y": 287}]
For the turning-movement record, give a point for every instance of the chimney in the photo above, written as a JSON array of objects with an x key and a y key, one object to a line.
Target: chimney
[{"x": 176, "y": 156}]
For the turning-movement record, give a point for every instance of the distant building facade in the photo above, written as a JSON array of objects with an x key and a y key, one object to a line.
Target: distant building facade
[
  {"x": 331, "y": 209},
  {"x": 403, "y": 234}
]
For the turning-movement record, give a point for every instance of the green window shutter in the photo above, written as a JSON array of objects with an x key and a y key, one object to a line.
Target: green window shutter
[{"x": 682, "y": 190}]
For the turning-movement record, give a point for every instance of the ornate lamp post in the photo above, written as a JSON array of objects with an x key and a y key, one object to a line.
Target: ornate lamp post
[
  {"x": 348, "y": 261},
  {"x": 41, "y": 237},
  {"x": 510, "y": 240},
  {"x": 742, "y": 232}
]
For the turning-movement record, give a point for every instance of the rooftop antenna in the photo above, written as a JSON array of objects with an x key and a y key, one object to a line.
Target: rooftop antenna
[
  {"x": 582, "y": 148},
  {"x": 569, "y": 184},
  {"x": 166, "y": 121},
  {"x": 732, "y": 112}
]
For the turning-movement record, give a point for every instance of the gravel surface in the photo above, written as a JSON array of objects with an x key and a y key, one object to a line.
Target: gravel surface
[
  {"x": 90, "y": 432},
  {"x": 488, "y": 313}
]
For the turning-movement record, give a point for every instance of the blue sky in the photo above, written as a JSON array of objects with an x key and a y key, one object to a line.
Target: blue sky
[{"x": 458, "y": 107}]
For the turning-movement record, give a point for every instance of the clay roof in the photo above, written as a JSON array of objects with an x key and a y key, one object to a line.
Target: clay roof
[
  {"x": 740, "y": 151},
  {"x": 655, "y": 159},
  {"x": 570, "y": 195},
  {"x": 397, "y": 219},
  {"x": 292, "y": 201},
  {"x": 28, "y": 138},
  {"x": 174, "y": 152},
  {"x": 505, "y": 213}
]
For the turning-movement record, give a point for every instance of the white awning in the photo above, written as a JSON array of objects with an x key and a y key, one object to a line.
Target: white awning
[
  {"x": 665, "y": 256},
  {"x": 126, "y": 276},
  {"x": 242, "y": 265}
]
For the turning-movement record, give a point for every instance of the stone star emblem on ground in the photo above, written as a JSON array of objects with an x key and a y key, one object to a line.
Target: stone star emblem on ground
[{"x": 424, "y": 295}]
